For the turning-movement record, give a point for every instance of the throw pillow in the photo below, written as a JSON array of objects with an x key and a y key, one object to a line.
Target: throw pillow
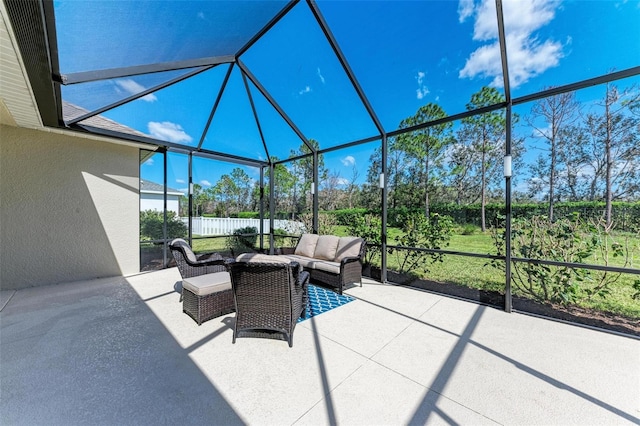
[
  {"x": 348, "y": 247},
  {"x": 326, "y": 247},
  {"x": 307, "y": 245}
]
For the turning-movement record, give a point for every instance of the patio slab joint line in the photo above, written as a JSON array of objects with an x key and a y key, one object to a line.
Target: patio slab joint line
[
  {"x": 411, "y": 322},
  {"x": 13, "y": 292},
  {"x": 329, "y": 392}
]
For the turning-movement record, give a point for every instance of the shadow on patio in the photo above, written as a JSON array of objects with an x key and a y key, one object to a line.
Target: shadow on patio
[{"x": 120, "y": 351}]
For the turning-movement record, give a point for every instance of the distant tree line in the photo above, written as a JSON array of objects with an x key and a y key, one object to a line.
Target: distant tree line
[{"x": 589, "y": 155}]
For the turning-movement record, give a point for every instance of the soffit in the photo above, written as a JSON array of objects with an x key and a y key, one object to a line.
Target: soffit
[
  {"x": 15, "y": 90},
  {"x": 17, "y": 101}
]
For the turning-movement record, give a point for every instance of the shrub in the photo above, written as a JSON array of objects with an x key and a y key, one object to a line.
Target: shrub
[
  {"x": 626, "y": 214},
  {"x": 151, "y": 225},
  {"x": 248, "y": 215},
  {"x": 570, "y": 240},
  {"x": 368, "y": 227},
  {"x": 468, "y": 229},
  {"x": 242, "y": 240},
  {"x": 420, "y": 232},
  {"x": 326, "y": 223},
  {"x": 345, "y": 217},
  {"x": 282, "y": 238}
]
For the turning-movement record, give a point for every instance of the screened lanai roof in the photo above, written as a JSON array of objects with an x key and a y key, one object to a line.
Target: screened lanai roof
[{"x": 253, "y": 80}]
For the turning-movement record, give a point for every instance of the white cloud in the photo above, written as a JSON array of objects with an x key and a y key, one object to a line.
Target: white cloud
[
  {"x": 133, "y": 88},
  {"x": 149, "y": 162},
  {"x": 348, "y": 160},
  {"x": 527, "y": 54},
  {"x": 320, "y": 76},
  {"x": 342, "y": 181},
  {"x": 201, "y": 15},
  {"x": 168, "y": 131},
  {"x": 205, "y": 182},
  {"x": 306, "y": 89},
  {"x": 422, "y": 89},
  {"x": 181, "y": 181},
  {"x": 465, "y": 9}
]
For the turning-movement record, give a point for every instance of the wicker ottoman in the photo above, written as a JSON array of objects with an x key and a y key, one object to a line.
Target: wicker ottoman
[{"x": 207, "y": 296}]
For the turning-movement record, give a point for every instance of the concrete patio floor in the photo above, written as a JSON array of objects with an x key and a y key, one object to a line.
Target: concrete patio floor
[{"x": 120, "y": 351}]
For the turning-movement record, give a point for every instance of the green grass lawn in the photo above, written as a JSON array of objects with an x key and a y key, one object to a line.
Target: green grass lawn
[
  {"x": 218, "y": 244},
  {"x": 477, "y": 273}
]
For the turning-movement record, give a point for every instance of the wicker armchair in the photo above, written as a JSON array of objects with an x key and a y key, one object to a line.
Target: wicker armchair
[
  {"x": 269, "y": 296},
  {"x": 206, "y": 291},
  {"x": 192, "y": 265}
]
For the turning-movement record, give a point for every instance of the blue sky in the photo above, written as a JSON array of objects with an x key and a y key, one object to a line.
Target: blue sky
[{"x": 404, "y": 55}]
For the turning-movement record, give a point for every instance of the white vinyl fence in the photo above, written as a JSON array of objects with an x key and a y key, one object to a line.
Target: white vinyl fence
[{"x": 226, "y": 225}]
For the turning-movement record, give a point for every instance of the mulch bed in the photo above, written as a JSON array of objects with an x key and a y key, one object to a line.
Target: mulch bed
[{"x": 590, "y": 317}]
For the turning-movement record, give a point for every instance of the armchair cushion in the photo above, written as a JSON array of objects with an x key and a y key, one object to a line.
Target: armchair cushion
[
  {"x": 307, "y": 245},
  {"x": 191, "y": 265},
  {"x": 262, "y": 258},
  {"x": 186, "y": 250}
]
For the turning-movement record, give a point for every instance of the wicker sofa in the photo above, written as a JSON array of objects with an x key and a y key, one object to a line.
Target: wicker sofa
[{"x": 330, "y": 260}]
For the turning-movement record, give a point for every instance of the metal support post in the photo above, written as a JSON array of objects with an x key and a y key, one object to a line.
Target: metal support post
[{"x": 383, "y": 257}]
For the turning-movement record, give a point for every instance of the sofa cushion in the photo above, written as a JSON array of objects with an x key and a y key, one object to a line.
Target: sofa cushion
[
  {"x": 306, "y": 245},
  {"x": 348, "y": 247},
  {"x": 305, "y": 262},
  {"x": 326, "y": 247},
  {"x": 327, "y": 266},
  {"x": 203, "y": 285}
]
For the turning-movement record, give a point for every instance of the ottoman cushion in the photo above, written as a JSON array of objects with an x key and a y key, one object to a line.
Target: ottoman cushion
[{"x": 208, "y": 283}]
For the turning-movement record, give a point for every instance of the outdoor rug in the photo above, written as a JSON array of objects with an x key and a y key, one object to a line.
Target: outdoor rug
[{"x": 323, "y": 300}]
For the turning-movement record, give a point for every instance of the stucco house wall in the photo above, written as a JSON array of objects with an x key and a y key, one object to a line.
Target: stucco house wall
[{"x": 69, "y": 208}]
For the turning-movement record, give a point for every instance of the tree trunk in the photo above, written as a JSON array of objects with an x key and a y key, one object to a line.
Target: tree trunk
[
  {"x": 483, "y": 201},
  {"x": 426, "y": 188},
  {"x": 609, "y": 162},
  {"x": 552, "y": 172}
]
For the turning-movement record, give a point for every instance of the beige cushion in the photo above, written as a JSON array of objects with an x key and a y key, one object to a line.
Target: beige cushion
[
  {"x": 187, "y": 250},
  {"x": 208, "y": 283},
  {"x": 325, "y": 265},
  {"x": 305, "y": 262},
  {"x": 307, "y": 245},
  {"x": 348, "y": 247},
  {"x": 326, "y": 247},
  {"x": 262, "y": 258}
]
